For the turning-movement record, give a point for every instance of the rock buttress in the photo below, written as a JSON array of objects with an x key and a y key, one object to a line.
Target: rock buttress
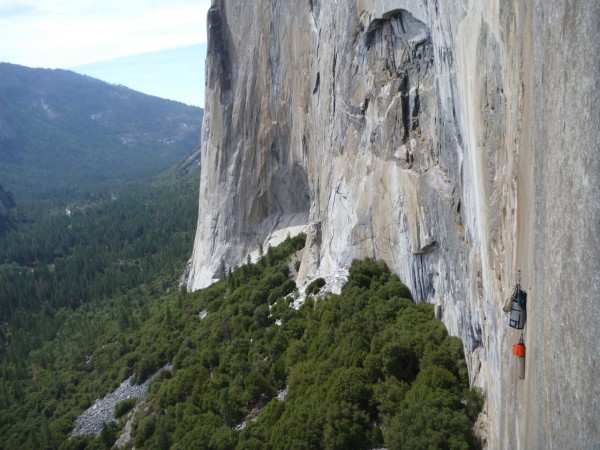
[{"x": 454, "y": 140}]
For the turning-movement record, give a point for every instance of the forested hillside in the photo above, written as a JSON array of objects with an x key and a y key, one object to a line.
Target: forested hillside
[
  {"x": 95, "y": 251},
  {"x": 7, "y": 202},
  {"x": 64, "y": 134},
  {"x": 362, "y": 369}
]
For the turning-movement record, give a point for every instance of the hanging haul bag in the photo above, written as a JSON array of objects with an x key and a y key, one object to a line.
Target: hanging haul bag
[
  {"x": 519, "y": 350},
  {"x": 518, "y": 310},
  {"x": 516, "y": 306}
]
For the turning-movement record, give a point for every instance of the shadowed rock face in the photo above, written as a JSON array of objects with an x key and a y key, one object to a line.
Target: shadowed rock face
[
  {"x": 446, "y": 138},
  {"x": 219, "y": 49}
]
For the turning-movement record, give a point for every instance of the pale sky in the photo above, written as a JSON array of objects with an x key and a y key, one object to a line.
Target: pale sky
[{"x": 68, "y": 33}]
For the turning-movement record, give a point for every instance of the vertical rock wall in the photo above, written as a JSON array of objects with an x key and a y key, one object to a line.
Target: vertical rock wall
[
  {"x": 456, "y": 140},
  {"x": 561, "y": 240},
  {"x": 254, "y": 178}
]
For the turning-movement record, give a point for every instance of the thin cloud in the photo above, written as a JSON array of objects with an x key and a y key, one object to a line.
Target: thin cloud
[{"x": 66, "y": 33}]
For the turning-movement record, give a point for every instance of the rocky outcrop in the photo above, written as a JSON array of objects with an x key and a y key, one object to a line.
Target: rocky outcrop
[
  {"x": 103, "y": 410},
  {"x": 190, "y": 164},
  {"x": 92, "y": 420},
  {"x": 455, "y": 140}
]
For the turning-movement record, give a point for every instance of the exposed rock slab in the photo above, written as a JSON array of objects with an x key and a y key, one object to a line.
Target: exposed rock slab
[
  {"x": 103, "y": 410},
  {"x": 92, "y": 420}
]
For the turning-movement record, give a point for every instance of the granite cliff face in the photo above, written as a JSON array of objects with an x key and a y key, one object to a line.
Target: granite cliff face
[{"x": 458, "y": 141}]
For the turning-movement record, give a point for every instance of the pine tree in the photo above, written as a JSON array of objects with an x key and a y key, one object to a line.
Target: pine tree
[{"x": 163, "y": 440}]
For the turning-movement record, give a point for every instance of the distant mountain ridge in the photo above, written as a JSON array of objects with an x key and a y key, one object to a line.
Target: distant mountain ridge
[
  {"x": 176, "y": 73},
  {"x": 61, "y": 131}
]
